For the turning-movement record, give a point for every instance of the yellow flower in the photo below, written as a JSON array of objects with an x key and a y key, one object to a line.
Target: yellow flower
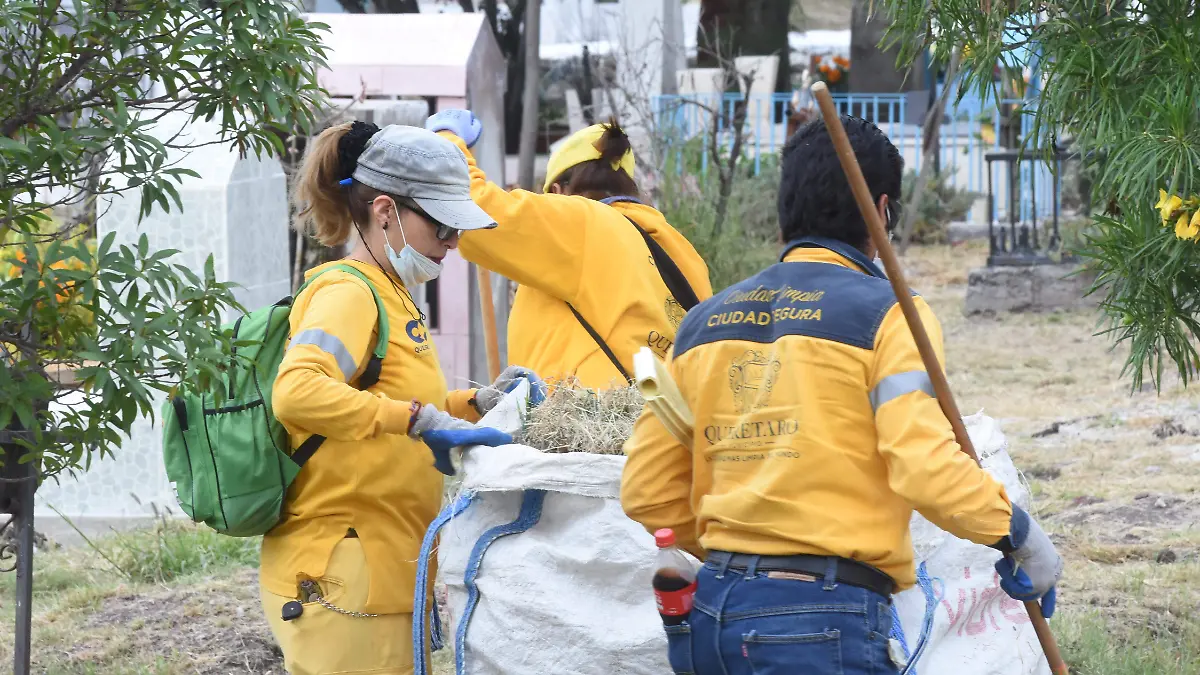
[
  {"x": 1167, "y": 205},
  {"x": 1162, "y": 198},
  {"x": 1185, "y": 229},
  {"x": 1194, "y": 226}
]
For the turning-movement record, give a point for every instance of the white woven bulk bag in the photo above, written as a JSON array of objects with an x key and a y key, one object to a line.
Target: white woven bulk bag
[
  {"x": 559, "y": 575},
  {"x": 975, "y": 629}
]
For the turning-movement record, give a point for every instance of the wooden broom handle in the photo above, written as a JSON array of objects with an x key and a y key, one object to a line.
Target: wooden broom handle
[
  {"x": 488, "y": 308},
  {"x": 941, "y": 386}
]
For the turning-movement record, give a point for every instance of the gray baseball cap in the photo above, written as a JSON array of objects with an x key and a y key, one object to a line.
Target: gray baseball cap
[{"x": 411, "y": 162}]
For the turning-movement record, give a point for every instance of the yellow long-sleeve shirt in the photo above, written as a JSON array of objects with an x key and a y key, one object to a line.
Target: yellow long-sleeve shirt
[
  {"x": 368, "y": 475},
  {"x": 816, "y": 428},
  {"x": 575, "y": 250}
]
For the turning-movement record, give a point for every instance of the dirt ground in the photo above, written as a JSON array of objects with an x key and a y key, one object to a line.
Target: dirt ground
[
  {"x": 1114, "y": 475},
  {"x": 1115, "y": 479}
]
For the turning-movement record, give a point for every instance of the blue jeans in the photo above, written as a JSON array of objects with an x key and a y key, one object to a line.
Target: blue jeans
[{"x": 758, "y": 623}]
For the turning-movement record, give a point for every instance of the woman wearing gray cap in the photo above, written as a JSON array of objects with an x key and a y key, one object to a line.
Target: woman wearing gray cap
[{"x": 338, "y": 572}]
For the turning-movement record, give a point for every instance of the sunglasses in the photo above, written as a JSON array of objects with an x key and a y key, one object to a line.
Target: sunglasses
[{"x": 442, "y": 232}]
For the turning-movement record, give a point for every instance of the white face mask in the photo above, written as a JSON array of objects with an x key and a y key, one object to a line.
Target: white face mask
[
  {"x": 411, "y": 266},
  {"x": 879, "y": 263}
]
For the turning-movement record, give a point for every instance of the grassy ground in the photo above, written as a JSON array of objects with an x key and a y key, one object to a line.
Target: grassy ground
[
  {"x": 1115, "y": 478},
  {"x": 169, "y": 600}
]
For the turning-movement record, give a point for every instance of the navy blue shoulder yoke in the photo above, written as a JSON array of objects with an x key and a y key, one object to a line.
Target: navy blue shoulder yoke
[{"x": 816, "y": 299}]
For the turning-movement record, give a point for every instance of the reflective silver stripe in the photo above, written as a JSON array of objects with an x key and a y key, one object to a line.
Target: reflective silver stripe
[
  {"x": 330, "y": 344},
  {"x": 894, "y": 386}
]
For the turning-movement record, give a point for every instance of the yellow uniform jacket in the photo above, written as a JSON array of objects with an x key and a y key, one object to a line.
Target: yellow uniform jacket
[
  {"x": 816, "y": 429},
  {"x": 576, "y": 250},
  {"x": 368, "y": 475}
]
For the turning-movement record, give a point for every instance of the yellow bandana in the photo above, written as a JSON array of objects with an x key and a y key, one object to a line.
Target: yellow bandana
[{"x": 578, "y": 148}]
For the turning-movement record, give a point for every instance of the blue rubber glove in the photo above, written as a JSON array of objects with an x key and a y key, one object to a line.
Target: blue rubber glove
[
  {"x": 1019, "y": 587},
  {"x": 461, "y": 123},
  {"x": 1031, "y": 566},
  {"x": 442, "y": 432},
  {"x": 441, "y": 441},
  {"x": 487, "y": 397},
  {"x": 537, "y": 388}
]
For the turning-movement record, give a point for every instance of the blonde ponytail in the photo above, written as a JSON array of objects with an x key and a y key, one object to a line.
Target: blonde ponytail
[{"x": 326, "y": 209}]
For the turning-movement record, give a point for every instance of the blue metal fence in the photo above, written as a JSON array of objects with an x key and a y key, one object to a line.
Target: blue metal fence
[{"x": 970, "y": 129}]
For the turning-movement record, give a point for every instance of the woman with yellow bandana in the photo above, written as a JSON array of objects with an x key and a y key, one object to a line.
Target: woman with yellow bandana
[{"x": 601, "y": 273}]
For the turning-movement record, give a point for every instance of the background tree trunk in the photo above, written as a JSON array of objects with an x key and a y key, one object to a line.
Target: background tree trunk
[
  {"x": 587, "y": 84},
  {"x": 873, "y": 70},
  {"x": 715, "y": 32},
  {"x": 765, "y": 33},
  {"x": 529, "y": 101},
  {"x": 396, "y": 6},
  {"x": 750, "y": 28},
  {"x": 508, "y": 32},
  {"x": 382, "y": 6}
]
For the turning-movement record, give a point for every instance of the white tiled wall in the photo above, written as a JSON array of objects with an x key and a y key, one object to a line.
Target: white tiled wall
[{"x": 238, "y": 213}]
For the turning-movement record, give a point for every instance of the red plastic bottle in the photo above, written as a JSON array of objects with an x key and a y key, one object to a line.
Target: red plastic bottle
[{"x": 674, "y": 580}]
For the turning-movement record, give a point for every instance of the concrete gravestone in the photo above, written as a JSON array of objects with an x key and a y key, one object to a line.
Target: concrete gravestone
[{"x": 237, "y": 212}]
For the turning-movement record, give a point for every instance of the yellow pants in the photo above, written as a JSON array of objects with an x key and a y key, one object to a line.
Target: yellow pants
[{"x": 324, "y": 642}]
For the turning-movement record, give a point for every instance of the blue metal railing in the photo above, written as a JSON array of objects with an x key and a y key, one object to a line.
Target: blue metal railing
[{"x": 969, "y": 130}]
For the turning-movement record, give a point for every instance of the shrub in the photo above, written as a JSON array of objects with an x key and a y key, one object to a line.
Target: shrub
[
  {"x": 748, "y": 239},
  {"x": 1121, "y": 80},
  {"x": 942, "y": 204}
]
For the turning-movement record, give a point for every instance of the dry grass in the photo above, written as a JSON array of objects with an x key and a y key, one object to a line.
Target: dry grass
[
  {"x": 90, "y": 620},
  {"x": 577, "y": 419}
]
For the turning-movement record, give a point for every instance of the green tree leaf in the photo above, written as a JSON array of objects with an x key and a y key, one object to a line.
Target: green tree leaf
[{"x": 77, "y": 101}]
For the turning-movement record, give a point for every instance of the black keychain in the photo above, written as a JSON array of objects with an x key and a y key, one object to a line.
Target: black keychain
[{"x": 292, "y": 610}]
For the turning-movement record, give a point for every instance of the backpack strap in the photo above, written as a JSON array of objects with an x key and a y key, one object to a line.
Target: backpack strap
[
  {"x": 671, "y": 275},
  {"x": 374, "y": 367},
  {"x": 669, "y": 271},
  {"x": 601, "y": 343}
]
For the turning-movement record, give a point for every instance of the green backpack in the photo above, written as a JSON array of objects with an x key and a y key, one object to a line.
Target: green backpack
[{"x": 230, "y": 466}]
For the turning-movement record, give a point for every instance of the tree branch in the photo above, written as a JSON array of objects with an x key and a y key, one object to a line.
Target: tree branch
[{"x": 31, "y": 111}]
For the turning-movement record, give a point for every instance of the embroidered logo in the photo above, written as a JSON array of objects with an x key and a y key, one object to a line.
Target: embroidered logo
[{"x": 751, "y": 378}]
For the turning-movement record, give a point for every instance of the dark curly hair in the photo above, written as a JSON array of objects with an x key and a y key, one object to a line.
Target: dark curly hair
[{"x": 814, "y": 195}]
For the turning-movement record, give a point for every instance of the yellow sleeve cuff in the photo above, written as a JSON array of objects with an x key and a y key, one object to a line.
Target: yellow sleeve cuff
[
  {"x": 458, "y": 404},
  {"x": 394, "y": 416}
]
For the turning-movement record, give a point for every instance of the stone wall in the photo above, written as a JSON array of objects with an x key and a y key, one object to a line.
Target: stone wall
[{"x": 1037, "y": 288}]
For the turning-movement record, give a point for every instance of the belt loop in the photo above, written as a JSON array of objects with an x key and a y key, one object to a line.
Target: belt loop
[
  {"x": 723, "y": 561},
  {"x": 752, "y": 567},
  {"x": 831, "y": 565}
]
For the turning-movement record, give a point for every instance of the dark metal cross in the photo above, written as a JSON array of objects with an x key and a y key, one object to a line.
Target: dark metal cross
[{"x": 18, "y": 482}]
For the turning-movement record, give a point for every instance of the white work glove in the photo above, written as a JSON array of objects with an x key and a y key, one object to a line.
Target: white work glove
[
  {"x": 431, "y": 419},
  {"x": 487, "y": 397}
]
